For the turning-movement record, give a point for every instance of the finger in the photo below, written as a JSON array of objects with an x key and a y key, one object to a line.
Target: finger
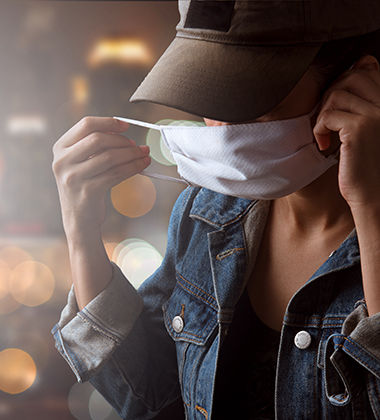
[
  {"x": 334, "y": 120},
  {"x": 88, "y": 125},
  {"x": 343, "y": 100},
  {"x": 110, "y": 158},
  {"x": 96, "y": 143},
  {"x": 375, "y": 76},
  {"x": 119, "y": 173},
  {"x": 358, "y": 83}
]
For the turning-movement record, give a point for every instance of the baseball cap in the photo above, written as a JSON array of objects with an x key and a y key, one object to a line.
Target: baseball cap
[{"x": 236, "y": 60}]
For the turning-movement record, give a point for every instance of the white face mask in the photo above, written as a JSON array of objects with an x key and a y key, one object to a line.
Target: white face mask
[{"x": 261, "y": 160}]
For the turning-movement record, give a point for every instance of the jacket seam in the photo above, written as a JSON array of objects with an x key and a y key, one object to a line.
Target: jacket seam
[
  {"x": 194, "y": 294},
  {"x": 355, "y": 356},
  {"x": 228, "y": 222},
  {"x": 91, "y": 317},
  {"x": 192, "y": 284},
  {"x": 98, "y": 329}
]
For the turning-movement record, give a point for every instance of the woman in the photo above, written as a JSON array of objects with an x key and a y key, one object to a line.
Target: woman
[{"x": 261, "y": 308}]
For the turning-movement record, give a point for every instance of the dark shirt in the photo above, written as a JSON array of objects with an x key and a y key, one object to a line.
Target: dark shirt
[{"x": 244, "y": 387}]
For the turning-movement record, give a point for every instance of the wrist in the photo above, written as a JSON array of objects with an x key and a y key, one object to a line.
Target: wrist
[
  {"x": 367, "y": 218},
  {"x": 80, "y": 235}
]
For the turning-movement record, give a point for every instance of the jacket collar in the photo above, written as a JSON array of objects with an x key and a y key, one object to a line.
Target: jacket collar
[{"x": 218, "y": 209}]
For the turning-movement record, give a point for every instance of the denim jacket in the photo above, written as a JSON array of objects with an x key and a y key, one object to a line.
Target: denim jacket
[{"x": 143, "y": 349}]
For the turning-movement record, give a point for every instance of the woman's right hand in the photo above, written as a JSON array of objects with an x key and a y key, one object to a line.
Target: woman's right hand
[{"x": 89, "y": 159}]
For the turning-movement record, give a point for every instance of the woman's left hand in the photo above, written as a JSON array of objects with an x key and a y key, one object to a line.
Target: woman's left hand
[{"x": 351, "y": 107}]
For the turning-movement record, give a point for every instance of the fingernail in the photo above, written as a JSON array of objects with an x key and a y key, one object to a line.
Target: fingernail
[
  {"x": 147, "y": 160},
  {"x": 145, "y": 149}
]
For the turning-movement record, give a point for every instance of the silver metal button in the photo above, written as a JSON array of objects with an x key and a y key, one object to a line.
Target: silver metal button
[
  {"x": 177, "y": 324},
  {"x": 302, "y": 340}
]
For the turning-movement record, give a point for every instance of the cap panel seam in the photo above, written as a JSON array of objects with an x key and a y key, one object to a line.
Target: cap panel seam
[{"x": 245, "y": 44}]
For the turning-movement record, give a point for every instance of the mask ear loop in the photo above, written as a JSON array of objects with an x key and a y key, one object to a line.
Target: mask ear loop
[{"x": 181, "y": 180}]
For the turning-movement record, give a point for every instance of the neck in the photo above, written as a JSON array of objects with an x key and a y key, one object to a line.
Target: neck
[{"x": 317, "y": 207}]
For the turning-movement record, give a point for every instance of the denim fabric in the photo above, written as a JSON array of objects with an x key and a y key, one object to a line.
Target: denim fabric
[{"x": 145, "y": 364}]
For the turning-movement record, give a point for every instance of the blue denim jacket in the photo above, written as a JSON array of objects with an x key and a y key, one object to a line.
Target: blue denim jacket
[{"x": 127, "y": 345}]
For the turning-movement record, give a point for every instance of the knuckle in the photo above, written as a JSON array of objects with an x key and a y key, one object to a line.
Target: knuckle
[
  {"x": 86, "y": 123},
  {"x": 69, "y": 179},
  {"x": 336, "y": 96},
  {"x": 57, "y": 165},
  {"x": 108, "y": 157},
  {"x": 94, "y": 138},
  {"x": 325, "y": 114}
]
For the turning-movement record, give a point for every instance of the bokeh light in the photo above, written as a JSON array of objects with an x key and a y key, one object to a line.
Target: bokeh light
[
  {"x": 78, "y": 399},
  {"x": 156, "y": 144},
  {"x": 134, "y": 197},
  {"x": 80, "y": 90},
  {"x": 14, "y": 255},
  {"x": 98, "y": 406},
  {"x": 5, "y": 273},
  {"x": 110, "y": 249},
  {"x": 8, "y": 304},
  {"x": 158, "y": 149},
  {"x": 119, "y": 50},
  {"x": 17, "y": 371},
  {"x": 86, "y": 403},
  {"x": 10, "y": 256},
  {"x": 26, "y": 124},
  {"x": 137, "y": 259},
  {"x": 31, "y": 283}
]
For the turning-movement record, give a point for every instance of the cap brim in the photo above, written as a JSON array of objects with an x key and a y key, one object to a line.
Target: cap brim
[{"x": 224, "y": 82}]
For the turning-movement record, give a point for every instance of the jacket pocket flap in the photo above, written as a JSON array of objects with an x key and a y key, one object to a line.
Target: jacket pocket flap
[{"x": 187, "y": 317}]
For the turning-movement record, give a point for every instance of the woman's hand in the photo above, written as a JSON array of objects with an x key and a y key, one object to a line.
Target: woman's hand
[
  {"x": 351, "y": 107},
  {"x": 89, "y": 159}
]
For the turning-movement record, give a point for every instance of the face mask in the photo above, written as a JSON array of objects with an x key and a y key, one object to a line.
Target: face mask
[{"x": 262, "y": 160}]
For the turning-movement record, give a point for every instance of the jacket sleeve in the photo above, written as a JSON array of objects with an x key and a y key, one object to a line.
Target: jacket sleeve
[
  {"x": 118, "y": 341},
  {"x": 354, "y": 357}
]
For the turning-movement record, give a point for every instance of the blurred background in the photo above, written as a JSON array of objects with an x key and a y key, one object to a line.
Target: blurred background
[{"x": 60, "y": 61}]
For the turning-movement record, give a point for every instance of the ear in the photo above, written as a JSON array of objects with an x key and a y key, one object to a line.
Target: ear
[{"x": 367, "y": 62}]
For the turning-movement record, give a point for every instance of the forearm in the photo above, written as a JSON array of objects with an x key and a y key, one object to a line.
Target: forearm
[
  {"x": 367, "y": 222},
  {"x": 90, "y": 266}
]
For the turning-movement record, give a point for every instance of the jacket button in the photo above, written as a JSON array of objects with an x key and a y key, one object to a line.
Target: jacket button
[
  {"x": 177, "y": 324},
  {"x": 302, "y": 340}
]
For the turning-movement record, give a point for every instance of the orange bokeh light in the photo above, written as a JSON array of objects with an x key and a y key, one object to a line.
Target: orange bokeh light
[
  {"x": 17, "y": 371},
  {"x": 134, "y": 197},
  {"x": 31, "y": 283}
]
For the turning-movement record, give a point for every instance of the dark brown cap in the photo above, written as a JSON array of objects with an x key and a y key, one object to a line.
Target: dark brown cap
[{"x": 236, "y": 60}]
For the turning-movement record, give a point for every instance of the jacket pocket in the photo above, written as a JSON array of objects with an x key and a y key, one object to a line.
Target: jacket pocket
[
  {"x": 190, "y": 314},
  {"x": 190, "y": 317}
]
